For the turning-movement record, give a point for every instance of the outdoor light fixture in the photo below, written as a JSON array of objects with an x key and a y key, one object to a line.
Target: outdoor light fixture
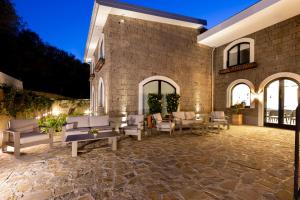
[{"x": 122, "y": 21}]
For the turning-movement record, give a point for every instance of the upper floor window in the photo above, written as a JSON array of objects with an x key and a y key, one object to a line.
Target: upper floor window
[{"x": 239, "y": 52}]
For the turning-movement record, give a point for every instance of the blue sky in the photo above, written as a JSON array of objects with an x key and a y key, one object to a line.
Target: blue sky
[{"x": 65, "y": 23}]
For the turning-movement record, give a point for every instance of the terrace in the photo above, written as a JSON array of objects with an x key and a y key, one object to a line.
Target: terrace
[{"x": 244, "y": 162}]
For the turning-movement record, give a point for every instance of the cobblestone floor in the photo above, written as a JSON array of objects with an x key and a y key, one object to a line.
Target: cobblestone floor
[{"x": 245, "y": 163}]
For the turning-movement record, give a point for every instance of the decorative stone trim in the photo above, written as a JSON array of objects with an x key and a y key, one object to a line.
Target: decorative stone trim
[
  {"x": 92, "y": 76},
  {"x": 99, "y": 64},
  {"x": 238, "y": 68}
]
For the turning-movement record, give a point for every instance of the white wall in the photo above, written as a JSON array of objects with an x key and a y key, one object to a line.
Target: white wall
[{"x": 10, "y": 81}]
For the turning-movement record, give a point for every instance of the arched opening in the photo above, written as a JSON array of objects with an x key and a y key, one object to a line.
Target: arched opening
[
  {"x": 241, "y": 94},
  {"x": 281, "y": 97},
  {"x": 261, "y": 95},
  {"x": 239, "y": 91},
  {"x": 158, "y": 85},
  {"x": 101, "y": 94},
  {"x": 93, "y": 100}
]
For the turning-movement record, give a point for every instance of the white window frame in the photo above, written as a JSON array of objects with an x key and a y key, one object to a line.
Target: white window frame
[
  {"x": 242, "y": 40},
  {"x": 235, "y": 83}
]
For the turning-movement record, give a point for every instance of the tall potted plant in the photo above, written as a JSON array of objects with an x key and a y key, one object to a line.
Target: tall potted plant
[
  {"x": 155, "y": 106},
  {"x": 172, "y": 102},
  {"x": 236, "y": 115}
]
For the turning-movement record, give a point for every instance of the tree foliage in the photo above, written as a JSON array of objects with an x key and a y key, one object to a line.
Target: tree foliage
[
  {"x": 23, "y": 102},
  {"x": 154, "y": 103},
  {"x": 172, "y": 102},
  {"x": 39, "y": 65}
]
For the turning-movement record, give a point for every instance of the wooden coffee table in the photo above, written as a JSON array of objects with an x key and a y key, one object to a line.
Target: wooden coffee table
[{"x": 111, "y": 136}]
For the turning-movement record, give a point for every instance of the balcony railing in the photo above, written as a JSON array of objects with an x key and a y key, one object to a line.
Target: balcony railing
[{"x": 99, "y": 64}]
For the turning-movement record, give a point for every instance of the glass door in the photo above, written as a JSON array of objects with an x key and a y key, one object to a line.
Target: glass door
[{"x": 281, "y": 100}]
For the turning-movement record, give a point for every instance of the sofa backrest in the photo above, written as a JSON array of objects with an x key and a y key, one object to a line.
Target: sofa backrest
[
  {"x": 135, "y": 119},
  {"x": 99, "y": 121},
  {"x": 179, "y": 115},
  {"x": 157, "y": 117},
  {"x": 81, "y": 121},
  {"x": 23, "y": 126},
  {"x": 190, "y": 115}
]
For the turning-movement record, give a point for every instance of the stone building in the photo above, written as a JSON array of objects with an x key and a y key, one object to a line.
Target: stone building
[{"x": 253, "y": 58}]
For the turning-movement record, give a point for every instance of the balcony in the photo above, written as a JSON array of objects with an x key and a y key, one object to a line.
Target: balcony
[
  {"x": 238, "y": 68},
  {"x": 99, "y": 64}
]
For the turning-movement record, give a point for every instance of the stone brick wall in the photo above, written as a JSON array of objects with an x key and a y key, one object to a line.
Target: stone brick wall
[
  {"x": 277, "y": 49},
  {"x": 137, "y": 49}
]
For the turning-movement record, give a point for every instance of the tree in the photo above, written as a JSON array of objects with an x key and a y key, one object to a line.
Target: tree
[
  {"x": 9, "y": 20},
  {"x": 40, "y": 66}
]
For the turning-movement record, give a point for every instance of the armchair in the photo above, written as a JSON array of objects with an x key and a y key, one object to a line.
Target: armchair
[
  {"x": 163, "y": 125},
  {"x": 135, "y": 125},
  {"x": 24, "y": 133},
  {"x": 219, "y": 117}
]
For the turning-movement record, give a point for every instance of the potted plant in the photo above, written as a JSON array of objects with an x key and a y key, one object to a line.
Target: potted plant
[
  {"x": 94, "y": 131},
  {"x": 236, "y": 115},
  {"x": 172, "y": 102},
  {"x": 155, "y": 106}
]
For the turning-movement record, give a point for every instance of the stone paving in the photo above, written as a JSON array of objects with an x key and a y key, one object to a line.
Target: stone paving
[{"x": 243, "y": 163}]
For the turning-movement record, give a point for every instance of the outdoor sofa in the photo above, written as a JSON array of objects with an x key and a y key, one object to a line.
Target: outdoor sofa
[
  {"x": 186, "y": 119},
  {"x": 24, "y": 133},
  {"x": 83, "y": 124}
]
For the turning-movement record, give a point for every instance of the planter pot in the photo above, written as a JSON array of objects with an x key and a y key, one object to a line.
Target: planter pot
[
  {"x": 237, "y": 119},
  {"x": 149, "y": 121}
]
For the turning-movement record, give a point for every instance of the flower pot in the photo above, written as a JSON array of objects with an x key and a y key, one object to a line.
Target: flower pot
[
  {"x": 149, "y": 121},
  {"x": 237, "y": 119}
]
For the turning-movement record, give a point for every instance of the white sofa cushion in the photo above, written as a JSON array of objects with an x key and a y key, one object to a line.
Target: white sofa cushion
[
  {"x": 32, "y": 137},
  {"x": 81, "y": 121},
  {"x": 157, "y": 117},
  {"x": 99, "y": 121},
  {"x": 23, "y": 125},
  {"x": 25, "y": 129},
  {"x": 135, "y": 119},
  {"x": 70, "y": 126},
  {"x": 190, "y": 115},
  {"x": 166, "y": 125},
  {"x": 179, "y": 115}
]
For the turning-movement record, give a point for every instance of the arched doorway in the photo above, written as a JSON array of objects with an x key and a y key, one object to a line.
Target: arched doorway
[
  {"x": 281, "y": 97},
  {"x": 101, "y": 95},
  {"x": 155, "y": 84}
]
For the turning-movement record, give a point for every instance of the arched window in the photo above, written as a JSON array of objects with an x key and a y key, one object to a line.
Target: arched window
[
  {"x": 238, "y": 54},
  {"x": 157, "y": 87},
  {"x": 241, "y": 93},
  {"x": 101, "y": 94}
]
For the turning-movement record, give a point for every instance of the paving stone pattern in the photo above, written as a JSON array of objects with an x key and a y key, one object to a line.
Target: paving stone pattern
[{"x": 243, "y": 163}]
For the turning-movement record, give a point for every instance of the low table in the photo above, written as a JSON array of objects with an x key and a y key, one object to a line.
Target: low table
[{"x": 111, "y": 136}]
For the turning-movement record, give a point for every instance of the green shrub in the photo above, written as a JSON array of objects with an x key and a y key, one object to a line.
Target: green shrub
[
  {"x": 23, "y": 102},
  {"x": 172, "y": 102},
  {"x": 54, "y": 122},
  {"x": 154, "y": 103}
]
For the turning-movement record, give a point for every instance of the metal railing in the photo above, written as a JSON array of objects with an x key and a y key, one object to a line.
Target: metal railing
[{"x": 296, "y": 162}]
